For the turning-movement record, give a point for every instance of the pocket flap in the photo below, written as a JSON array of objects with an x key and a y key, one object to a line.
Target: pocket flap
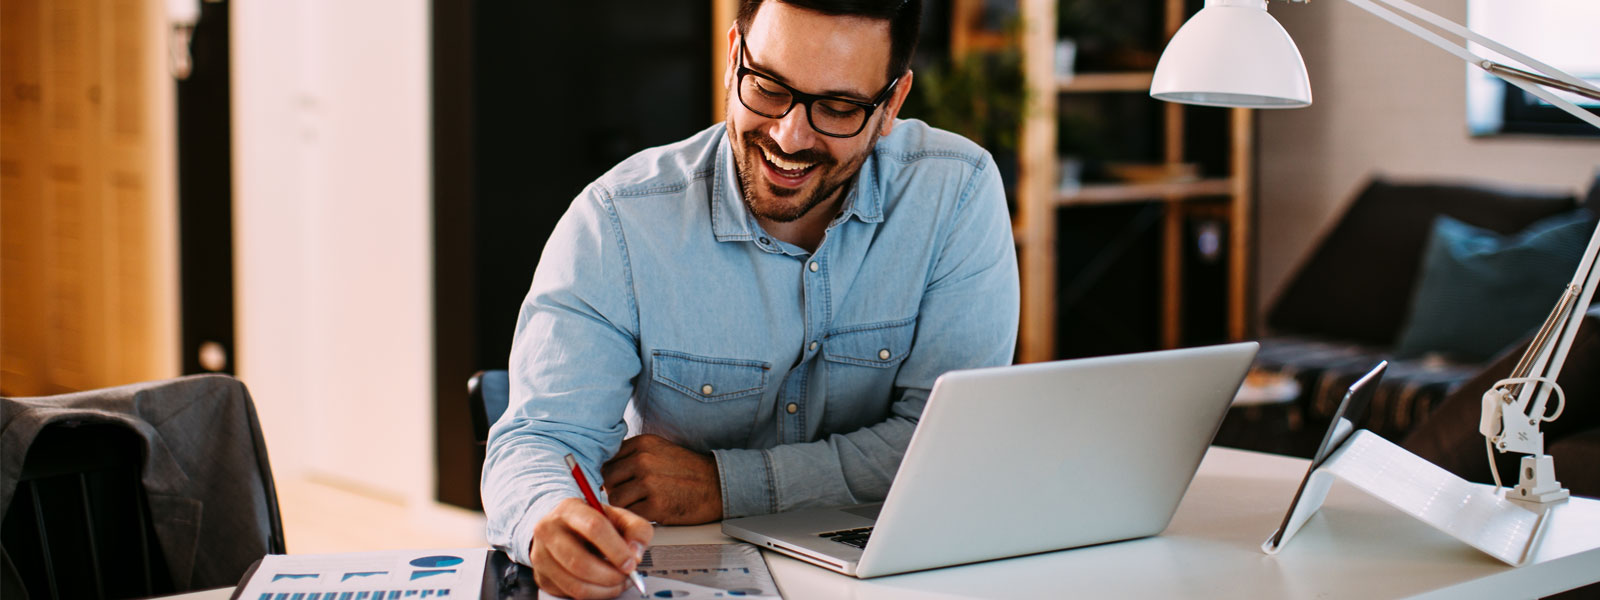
[
  {"x": 709, "y": 379},
  {"x": 872, "y": 345}
]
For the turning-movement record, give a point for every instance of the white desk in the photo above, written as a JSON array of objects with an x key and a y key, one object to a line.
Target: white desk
[{"x": 1356, "y": 547}]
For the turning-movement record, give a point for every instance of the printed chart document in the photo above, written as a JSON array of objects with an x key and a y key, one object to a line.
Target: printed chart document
[
  {"x": 695, "y": 571},
  {"x": 392, "y": 574}
]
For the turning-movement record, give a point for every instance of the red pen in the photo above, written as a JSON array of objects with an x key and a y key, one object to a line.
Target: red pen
[{"x": 594, "y": 502}]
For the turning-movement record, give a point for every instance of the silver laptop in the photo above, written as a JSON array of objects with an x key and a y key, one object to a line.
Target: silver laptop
[{"x": 1023, "y": 459}]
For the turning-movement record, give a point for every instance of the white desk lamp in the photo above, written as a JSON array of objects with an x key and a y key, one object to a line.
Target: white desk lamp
[{"x": 1232, "y": 53}]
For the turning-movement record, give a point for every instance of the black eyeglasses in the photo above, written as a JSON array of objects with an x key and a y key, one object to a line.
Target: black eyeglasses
[{"x": 831, "y": 116}]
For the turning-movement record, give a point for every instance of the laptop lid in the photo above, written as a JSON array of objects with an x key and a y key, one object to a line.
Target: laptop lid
[{"x": 1030, "y": 458}]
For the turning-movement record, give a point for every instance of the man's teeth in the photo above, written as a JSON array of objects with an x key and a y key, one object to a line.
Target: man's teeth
[{"x": 784, "y": 164}]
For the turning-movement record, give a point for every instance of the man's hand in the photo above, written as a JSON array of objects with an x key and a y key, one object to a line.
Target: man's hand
[
  {"x": 664, "y": 482},
  {"x": 578, "y": 553}
]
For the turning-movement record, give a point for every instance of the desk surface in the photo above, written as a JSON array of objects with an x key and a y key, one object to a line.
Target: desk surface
[{"x": 1356, "y": 547}]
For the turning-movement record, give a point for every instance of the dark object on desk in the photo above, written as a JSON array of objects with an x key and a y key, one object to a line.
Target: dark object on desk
[
  {"x": 488, "y": 393},
  {"x": 507, "y": 580},
  {"x": 183, "y": 459},
  {"x": 1344, "y": 310}
]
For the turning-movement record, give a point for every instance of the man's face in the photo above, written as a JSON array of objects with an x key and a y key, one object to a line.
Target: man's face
[{"x": 786, "y": 167}]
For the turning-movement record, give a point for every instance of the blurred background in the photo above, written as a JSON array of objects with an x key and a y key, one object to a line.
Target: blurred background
[{"x": 342, "y": 202}]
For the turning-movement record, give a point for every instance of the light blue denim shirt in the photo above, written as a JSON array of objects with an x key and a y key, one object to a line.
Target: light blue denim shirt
[{"x": 660, "y": 298}]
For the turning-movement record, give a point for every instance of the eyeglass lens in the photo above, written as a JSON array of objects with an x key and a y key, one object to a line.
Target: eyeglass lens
[{"x": 766, "y": 98}]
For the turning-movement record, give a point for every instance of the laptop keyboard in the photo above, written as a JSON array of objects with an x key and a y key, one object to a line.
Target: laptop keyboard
[{"x": 850, "y": 537}]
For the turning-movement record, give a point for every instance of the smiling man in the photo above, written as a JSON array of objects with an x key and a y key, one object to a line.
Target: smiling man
[{"x": 750, "y": 320}]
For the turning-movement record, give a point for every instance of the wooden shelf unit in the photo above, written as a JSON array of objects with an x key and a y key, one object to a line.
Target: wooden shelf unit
[
  {"x": 1116, "y": 193},
  {"x": 1128, "y": 81},
  {"x": 1038, "y": 196}
]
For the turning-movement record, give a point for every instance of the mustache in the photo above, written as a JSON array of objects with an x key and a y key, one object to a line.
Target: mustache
[{"x": 761, "y": 141}]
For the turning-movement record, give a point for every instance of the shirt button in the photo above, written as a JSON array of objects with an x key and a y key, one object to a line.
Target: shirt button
[
  {"x": 883, "y": 354},
  {"x": 814, "y": 266},
  {"x": 792, "y": 407},
  {"x": 765, "y": 241},
  {"x": 706, "y": 389},
  {"x": 813, "y": 346}
]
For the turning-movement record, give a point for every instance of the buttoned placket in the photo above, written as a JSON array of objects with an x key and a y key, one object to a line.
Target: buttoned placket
[
  {"x": 814, "y": 307},
  {"x": 792, "y": 412}
]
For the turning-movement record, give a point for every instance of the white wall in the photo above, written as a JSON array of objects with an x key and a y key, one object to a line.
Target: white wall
[
  {"x": 1383, "y": 101},
  {"x": 332, "y": 223}
]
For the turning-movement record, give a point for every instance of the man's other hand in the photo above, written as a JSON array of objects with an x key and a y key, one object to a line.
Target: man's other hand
[
  {"x": 664, "y": 482},
  {"x": 578, "y": 553}
]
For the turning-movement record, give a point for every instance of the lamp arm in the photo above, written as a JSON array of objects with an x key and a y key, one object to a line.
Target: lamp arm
[
  {"x": 1529, "y": 82},
  {"x": 1551, "y": 356},
  {"x": 1547, "y": 354}
]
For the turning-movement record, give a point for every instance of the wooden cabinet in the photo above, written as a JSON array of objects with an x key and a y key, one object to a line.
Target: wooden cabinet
[
  {"x": 88, "y": 263},
  {"x": 1040, "y": 195}
]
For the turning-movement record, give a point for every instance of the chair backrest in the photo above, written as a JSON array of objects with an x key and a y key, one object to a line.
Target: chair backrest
[
  {"x": 79, "y": 525},
  {"x": 144, "y": 489},
  {"x": 488, "y": 393}
]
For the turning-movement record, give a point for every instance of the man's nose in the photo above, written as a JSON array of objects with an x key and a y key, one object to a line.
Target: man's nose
[{"x": 793, "y": 132}]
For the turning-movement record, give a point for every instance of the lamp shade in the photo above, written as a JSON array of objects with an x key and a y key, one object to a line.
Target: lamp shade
[{"x": 1232, "y": 53}]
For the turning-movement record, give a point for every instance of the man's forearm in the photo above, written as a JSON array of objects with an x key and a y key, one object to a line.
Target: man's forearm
[{"x": 847, "y": 468}]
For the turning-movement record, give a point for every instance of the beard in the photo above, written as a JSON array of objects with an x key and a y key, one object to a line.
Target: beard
[{"x": 780, "y": 204}]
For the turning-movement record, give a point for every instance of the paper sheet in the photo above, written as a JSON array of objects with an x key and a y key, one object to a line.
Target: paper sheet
[
  {"x": 394, "y": 574},
  {"x": 695, "y": 571}
]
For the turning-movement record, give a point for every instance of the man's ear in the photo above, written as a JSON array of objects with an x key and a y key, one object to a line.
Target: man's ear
[
  {"x": 727, "y": 62},
  {"x": 891, "y": 109}
]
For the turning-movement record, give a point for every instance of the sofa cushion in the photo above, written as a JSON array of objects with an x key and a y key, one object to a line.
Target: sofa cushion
[
  {"x": 1481, "y": 292},
  {"x": 1357, "y": 284}
]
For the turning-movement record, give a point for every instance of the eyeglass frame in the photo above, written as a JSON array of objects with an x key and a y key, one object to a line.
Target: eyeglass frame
[{"x": 797, "y": 97}]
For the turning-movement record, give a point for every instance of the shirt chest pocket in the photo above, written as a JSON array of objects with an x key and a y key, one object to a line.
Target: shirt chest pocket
[
  {"x": 879, "y": 345},
  {"x": 703, "y": 402},
  {"x": 709, "y": 379}
]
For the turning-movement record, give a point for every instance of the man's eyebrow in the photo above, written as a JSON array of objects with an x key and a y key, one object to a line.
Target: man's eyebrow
[{"x": 846, "y": 94}]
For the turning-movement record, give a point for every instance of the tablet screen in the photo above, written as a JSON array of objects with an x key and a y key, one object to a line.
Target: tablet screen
[{"x": 1350, "y": 409}]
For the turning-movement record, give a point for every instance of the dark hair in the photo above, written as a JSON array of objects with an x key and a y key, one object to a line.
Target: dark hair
[{"x": 904, "y": 17}]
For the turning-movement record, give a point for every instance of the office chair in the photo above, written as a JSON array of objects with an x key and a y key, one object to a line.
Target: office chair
[
  {"x": 139, "y": 490},
  {"x": 488, "y": 393},
  {"x": 79, "y": 525}
]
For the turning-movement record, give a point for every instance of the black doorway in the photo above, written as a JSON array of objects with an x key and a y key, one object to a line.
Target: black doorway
[
  {"x": 531, "y": 102},
  {"x": 205, "y": 198}
]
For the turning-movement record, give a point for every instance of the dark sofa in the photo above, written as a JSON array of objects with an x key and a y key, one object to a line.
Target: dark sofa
[{"x": 1344, "y": 309}]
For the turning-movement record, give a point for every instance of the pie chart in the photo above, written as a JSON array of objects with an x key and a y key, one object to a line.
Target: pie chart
[{"x": 434, "y": 562}]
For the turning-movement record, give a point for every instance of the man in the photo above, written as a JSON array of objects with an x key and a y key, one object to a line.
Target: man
[{"x": 768, "y": 303}]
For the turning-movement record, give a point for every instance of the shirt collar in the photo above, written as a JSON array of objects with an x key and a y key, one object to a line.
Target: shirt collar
[{"x": 732, "y": 221}]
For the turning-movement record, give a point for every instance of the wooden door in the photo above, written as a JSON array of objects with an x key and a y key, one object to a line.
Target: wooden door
[{"x": 87, "y": 262}]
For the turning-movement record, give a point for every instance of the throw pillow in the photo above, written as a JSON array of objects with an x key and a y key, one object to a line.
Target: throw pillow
[
  {"x": 1481, "y": 291},
  {"x": 1355, "y": 286}
]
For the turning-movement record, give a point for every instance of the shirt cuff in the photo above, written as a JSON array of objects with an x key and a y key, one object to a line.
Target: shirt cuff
[
  {"x": 522, "y": 532},
  {"x": 746, "y": 479}
]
